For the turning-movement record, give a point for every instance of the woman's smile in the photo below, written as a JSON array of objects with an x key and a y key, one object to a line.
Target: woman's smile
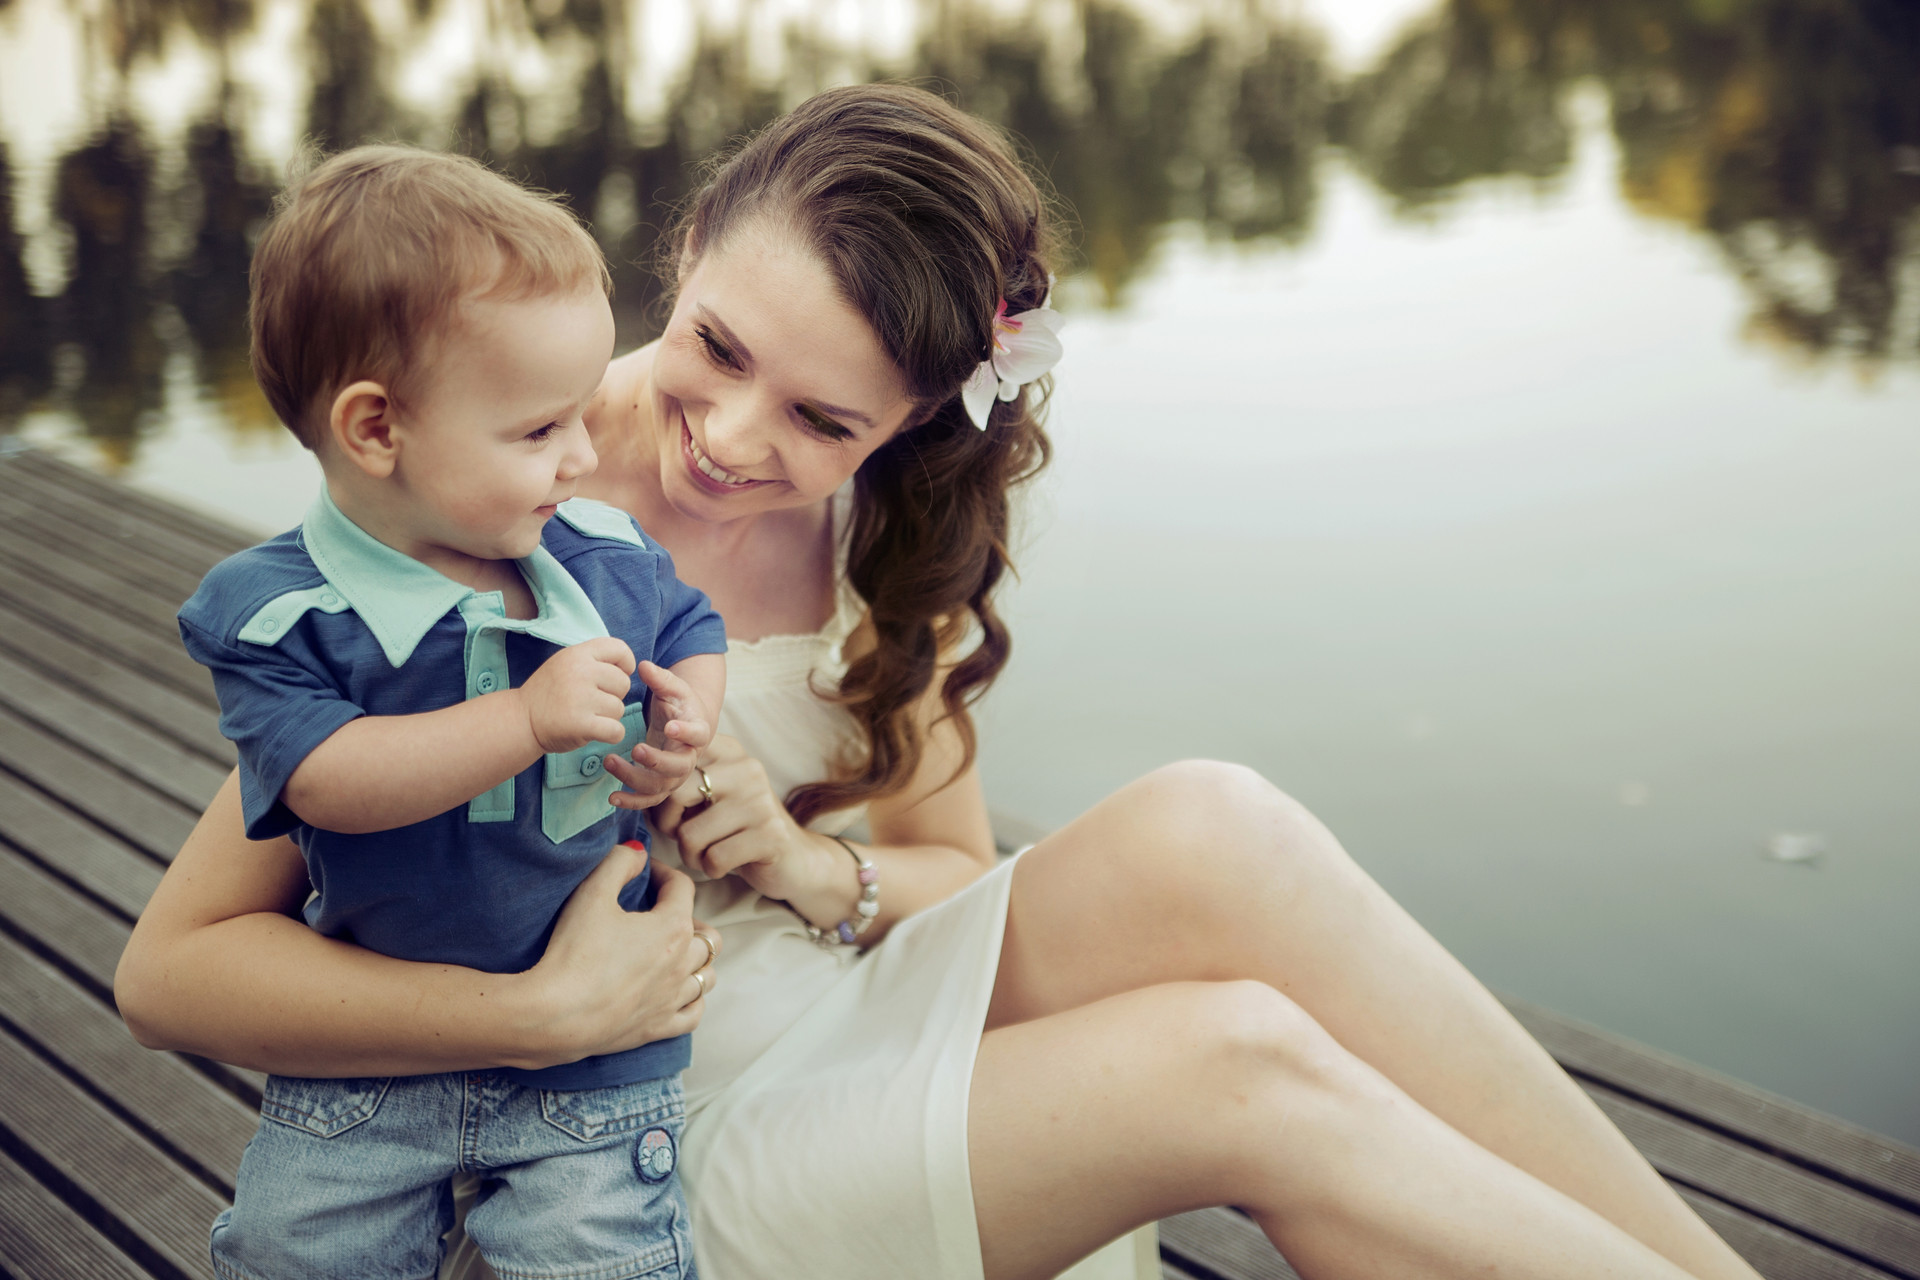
[{"x": 708, "y": 474}]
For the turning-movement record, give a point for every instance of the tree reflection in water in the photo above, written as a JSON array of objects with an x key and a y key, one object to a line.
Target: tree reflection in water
[{"x": 1789, "y": 130}]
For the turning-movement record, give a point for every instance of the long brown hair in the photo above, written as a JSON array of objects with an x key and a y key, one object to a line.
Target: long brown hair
[{"x": 926, "y": 221}]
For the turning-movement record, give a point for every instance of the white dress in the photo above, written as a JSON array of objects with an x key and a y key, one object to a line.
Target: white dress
[{"x": 827, "y": 1099}]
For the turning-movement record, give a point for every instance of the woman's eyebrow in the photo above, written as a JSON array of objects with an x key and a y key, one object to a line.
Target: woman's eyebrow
[
  {"x": 733, "y": 339},
  {"x": 740, "y": 349},
  {"x": 838, "y": 411}
]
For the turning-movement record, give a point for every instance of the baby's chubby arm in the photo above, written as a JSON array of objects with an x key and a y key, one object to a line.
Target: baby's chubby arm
[
  {"x": 686, "y": 706},
  {"x": 381, "y": 772}
]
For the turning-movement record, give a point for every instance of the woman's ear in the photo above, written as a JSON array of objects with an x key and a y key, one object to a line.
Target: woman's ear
[{"x": 361, "y": 427}]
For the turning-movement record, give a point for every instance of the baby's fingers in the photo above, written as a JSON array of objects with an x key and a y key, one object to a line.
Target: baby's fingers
[
  {"x": 644, "y": 788},
  {"x": 695, "y": 732},
  {"x": 672, "y": 765},
  {"x": 611, "y": 650},
  {"x": 663, "y": 681}
]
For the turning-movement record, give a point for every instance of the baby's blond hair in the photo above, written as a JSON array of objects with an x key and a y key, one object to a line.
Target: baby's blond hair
[{"x": 370, "y": 252}]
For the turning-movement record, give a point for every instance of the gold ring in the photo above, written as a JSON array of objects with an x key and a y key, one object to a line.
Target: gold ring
[
  {"x": 699, "y": 976},
  {"x": 701, "y": 937},
  {"x": 706, "y": 784}
]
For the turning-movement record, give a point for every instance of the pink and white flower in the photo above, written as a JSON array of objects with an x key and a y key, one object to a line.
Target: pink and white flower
[{"x": 1025, "y": 347}]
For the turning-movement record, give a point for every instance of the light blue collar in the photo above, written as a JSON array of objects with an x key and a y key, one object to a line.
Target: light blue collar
[{"x": 400, "y": 599}]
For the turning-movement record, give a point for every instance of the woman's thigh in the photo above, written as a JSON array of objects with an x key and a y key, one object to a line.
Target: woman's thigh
[
  {"x": 1197, "y": 872},
  {"x": 1085, "y": 1124}
]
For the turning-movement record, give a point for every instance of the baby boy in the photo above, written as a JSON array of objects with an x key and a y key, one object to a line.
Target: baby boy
[{"x": 425, "y": 680}]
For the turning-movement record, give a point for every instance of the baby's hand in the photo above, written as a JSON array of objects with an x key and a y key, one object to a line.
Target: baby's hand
[
  {"x": 577, "y": 695},
  {"x": 677, "y": 731}
]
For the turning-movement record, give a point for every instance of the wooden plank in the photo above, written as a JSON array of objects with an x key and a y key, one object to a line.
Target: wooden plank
[
  {"x": 1765, "y": 1119},
  {"x": 157, "y": 708},
  {"x": 53, "y": 564},
  {"x": 73, "y": 850},
  {"x": 1830, "y": 1212},
  {"x": 87, "y": 726},
  {"x": 1222, "y": 1242},
  {"x": 95, "y": 532},
  {"x": 1773, "y": 1251},
  {"x": 201, "y": 1121},
  {"x": 42, "y": 1239},
  {"x": 108, "y": 797},
  {"x": 77, "y": 931},
  {"x": 125, "y": 1177},
  {"x": 146, "y": 648},
  {"x": 213, "y": 538}
]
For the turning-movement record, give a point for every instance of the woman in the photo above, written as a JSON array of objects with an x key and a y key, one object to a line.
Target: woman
[{"x": 1188, "y": 997}]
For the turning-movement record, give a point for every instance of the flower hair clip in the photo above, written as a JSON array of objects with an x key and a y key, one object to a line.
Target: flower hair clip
[{"x": 1025, "y": 347}]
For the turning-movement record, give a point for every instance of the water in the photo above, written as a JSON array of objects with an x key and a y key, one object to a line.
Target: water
[{"x": 1498, "y": 424}]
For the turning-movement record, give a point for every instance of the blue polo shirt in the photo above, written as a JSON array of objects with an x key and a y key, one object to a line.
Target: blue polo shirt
[{"x": 325, "y": 623}]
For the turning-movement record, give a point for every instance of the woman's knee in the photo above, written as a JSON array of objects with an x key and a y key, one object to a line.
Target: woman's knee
[
  {"x": 1238, "y": 827},
  {"x": 1250, "y": 1039},
  {"x": 1265, "y": 1081}
]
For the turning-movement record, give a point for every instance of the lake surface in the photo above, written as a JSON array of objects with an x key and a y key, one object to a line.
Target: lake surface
[{"x": 1500, "y": 427}]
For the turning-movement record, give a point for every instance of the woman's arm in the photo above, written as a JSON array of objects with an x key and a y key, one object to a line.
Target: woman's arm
[
  {"x": 220, "y": 965},
  {"x": 929, "y": 841}
]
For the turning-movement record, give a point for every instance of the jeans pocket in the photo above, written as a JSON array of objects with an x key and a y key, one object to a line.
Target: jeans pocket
[
  {"x": 589, "y": 1115},
  {"x": 323, "y": 1108}
]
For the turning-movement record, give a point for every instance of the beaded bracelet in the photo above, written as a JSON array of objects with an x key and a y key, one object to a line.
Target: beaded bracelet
[{"x": 844, "y": 933}]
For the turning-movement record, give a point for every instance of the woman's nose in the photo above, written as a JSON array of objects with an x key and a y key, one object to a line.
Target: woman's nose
[{"x": 733, "y": 433}]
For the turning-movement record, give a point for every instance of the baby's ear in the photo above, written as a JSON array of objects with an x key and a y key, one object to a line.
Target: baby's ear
[{"x": 360, "y": 427}]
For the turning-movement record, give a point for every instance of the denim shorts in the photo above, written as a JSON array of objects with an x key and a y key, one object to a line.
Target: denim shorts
[{"x": 350, "y": 1179}]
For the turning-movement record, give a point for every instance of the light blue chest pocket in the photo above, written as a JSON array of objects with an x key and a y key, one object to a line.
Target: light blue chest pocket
[{"x": 574, "y": 792}]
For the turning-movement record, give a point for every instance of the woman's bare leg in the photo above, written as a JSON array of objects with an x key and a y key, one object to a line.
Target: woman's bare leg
[
  {"x": 1088, "y": 1122},
  {"x": 1205, "y": 872}
]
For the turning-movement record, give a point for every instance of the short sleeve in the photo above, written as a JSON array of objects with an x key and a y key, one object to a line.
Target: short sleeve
[
  {"x": 276, "y": 710},
  {"x": 688, "y": 623}
]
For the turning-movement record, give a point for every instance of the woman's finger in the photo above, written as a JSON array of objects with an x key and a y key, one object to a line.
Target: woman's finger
[
  {"x": 699, "y": 953},
  {"x": 667, "y": 816},
  {"x": 673, "y": 894},
  {"x": 722, "y": 750},
  {"x": 699, "y": 984},
  {"x": 705, "y": 829}
]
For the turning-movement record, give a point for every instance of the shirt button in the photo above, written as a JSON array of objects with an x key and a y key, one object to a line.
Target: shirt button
[
  {"x": 486, "y": 683},
  {"x": 328, "y": 599},
  {"x": 590, "y": 766},
  {"x": 269, "y": 625}
]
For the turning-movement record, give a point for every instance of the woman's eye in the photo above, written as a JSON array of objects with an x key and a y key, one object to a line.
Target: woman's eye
[
  {"x": 717, "y": 351},
  {"x": 821, "y": 425}
]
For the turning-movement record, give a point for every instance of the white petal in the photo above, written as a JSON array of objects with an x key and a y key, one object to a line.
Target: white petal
[
  {"x": 978, "y": 393},
  {"x": 1032, "y": 351},
  {"x": 1008, "y": 390}
]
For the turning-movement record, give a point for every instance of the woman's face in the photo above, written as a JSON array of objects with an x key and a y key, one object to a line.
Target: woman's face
[{"x": 768, "y": 389}]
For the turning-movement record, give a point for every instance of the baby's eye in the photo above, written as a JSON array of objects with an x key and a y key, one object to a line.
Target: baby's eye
[
  {"x": 717, "y": 351},
  {"x": 540, "y": 435}
]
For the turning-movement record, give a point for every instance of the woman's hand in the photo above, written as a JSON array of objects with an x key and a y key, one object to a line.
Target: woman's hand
[
  {"x": 746, "y": 831},
  {"x": 614, "y": 979}
]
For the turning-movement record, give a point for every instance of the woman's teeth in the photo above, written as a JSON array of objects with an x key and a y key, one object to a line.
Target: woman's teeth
[{"x": 711, "y": 469}]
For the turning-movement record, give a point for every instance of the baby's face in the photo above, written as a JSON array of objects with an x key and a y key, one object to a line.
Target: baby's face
[{"x": 494, "y": 440}]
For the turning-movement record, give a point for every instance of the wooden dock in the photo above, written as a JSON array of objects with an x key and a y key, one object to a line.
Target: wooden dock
[{"x": 113, "y": 1160}]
